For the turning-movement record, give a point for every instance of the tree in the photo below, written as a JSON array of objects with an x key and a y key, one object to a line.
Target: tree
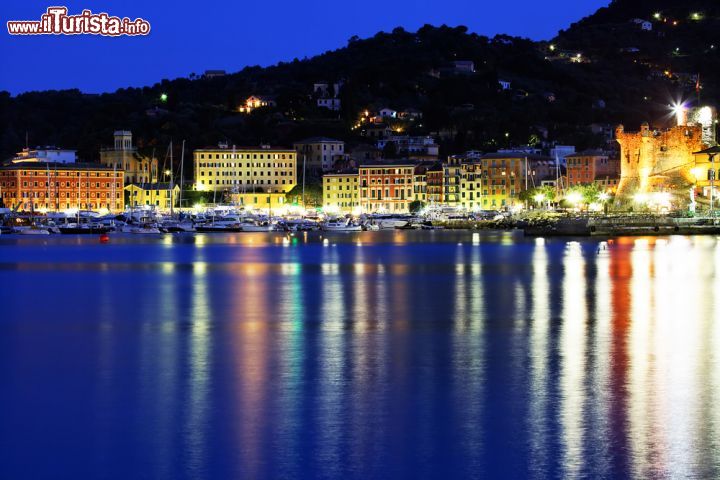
[
  {"x": 590, "y": 192},
  {"x": 531, "y": 194},
  {"x": 313, "y": 195},
  {"x": 416, "y": 206},
  {"x": 389, "y": 150}
]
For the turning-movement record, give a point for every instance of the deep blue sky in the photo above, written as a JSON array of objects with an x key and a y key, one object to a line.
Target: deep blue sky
[{"x": 192, "y": 36}]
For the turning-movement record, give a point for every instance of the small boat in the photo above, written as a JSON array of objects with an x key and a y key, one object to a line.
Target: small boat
[
  {"x": 340, "y": 226},
  {"x": 301, "y": 225},
  {"x": 85, "y": 229},
  {"x": 32, "y": 230},
  {"x": 144, "y": 229},
  {"x": 210, "y": 228},
  {"x": 248, "y": 225},
  {"x": 176, "y": 227},
  {"x": 390, "y": 221}
]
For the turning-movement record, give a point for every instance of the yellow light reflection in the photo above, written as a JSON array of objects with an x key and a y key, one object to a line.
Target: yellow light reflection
[
  {"x": 539, "y": 355},
  {"x": 573, "y": 337}
]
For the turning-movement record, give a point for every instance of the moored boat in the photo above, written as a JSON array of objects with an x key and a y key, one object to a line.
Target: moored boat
[
  {"x": 218, "y": 228},
  {"x": 92, "y": 229},
  {"x": 340, "y": 225},
  {"x": 32, "y": 230}
]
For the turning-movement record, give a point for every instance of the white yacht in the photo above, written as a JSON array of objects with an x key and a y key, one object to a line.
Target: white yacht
[
  {"x": 32, "y": 230},
  {"x": 145, "y": 229},
  {"x": 389, "y": 222},
  {"x": 249, "y": 225},
  {"x": 340, "y": 225}
]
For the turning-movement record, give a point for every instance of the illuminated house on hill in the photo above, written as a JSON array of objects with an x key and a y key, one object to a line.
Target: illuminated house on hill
[{"x": 253, "y": 102}]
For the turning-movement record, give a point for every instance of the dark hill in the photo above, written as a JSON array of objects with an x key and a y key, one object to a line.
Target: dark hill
[{"x": 555, "y": 94}]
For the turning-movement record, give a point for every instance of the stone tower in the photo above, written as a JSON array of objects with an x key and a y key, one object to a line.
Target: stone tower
[
  {"x": 651, "y": 160},
  {"x": 123, "y": 140}
]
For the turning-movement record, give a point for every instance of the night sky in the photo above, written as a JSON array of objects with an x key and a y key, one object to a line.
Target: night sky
[{"x": 193, "y": 36}]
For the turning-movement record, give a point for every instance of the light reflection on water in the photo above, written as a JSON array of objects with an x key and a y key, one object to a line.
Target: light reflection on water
[{"x": 371, "y": 355}]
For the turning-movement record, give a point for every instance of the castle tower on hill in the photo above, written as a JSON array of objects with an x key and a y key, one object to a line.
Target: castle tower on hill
[{"x": 657, "y": 160}]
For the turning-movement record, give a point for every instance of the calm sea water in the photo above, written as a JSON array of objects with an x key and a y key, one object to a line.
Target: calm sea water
[{"x": 417, "y": 355}]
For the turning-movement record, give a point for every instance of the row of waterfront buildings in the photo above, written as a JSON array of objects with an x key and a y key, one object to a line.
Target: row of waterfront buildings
[
  {"x": 261, "y": 177},
  {"x": 473, "y": 181}
]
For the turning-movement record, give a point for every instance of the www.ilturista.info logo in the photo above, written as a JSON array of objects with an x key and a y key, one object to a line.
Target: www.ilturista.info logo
[{"x": 56, "y": 21}]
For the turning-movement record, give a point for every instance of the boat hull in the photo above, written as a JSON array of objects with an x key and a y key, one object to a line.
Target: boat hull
[
  {"x": 84, "y": 231},
  {"x": 218, "y": 229}
]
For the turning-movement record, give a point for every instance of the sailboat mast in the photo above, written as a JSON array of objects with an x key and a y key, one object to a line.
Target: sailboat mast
[
  {"x": 303, "y": 180},
  {"x": 171, "y": 179},
  {"x": 182, "y": 178},
  {"x": 78, "y": 200},
  {"x": 47, "y": 200},
  {"x": 114, "y": 193},
  {"x": 57, "y": 193},
  {"x": 233, "y": 160}
]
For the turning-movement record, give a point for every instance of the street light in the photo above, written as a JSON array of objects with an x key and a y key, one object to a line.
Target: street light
[
  {"x": 539, "y": 198},
  {"x": 680, "y": 112},
  {"x": 574, "y": 198}
]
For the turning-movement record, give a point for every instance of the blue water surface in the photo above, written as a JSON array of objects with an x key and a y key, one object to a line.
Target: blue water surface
[{"x": 367, "y": 355}]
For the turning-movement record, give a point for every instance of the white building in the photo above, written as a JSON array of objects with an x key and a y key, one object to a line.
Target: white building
[
  {"x": 329, "y": 103},
  {"x": 643, "y": 24},
  {"x": 464, "y": 66},
  {"x": 562, "y": 151},
  {"x": 326, "y": 89},
  {"x": 387, "y": 113},
  {"x": 410, "y": 114},
  {"x": 411, "y": 146},
  {"x": 319, "y": 153},
  {"x": 45, "y": 154}
]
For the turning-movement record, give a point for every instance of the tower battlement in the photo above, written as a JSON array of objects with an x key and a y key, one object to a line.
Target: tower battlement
[{"x": 651, "y": 159}]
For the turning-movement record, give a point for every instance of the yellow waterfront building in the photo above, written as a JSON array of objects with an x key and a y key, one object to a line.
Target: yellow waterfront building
[
  {"x": 260, "y": 201},
  {"x": 340, "y": 192},
  {"x": 156, "y": 194},
  {"x": 471, "y": 185},
  {"x": 241, "y": 170}
]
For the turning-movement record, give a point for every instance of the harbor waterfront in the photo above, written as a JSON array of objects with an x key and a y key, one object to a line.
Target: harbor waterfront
[{"x": 370, "y": 354}]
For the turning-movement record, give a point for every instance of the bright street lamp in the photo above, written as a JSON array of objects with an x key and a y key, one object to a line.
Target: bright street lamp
[
  {"x": 641, "y": 198},
  {"x": 574, "y": 197},
  {"x": 680, "y": 112}
]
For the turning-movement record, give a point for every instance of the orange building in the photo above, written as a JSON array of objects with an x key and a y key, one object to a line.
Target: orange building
[
  {"x": 504, "y": 177},
  {"x": 589, "y": 166},
  {"x": 386, "y": 188},
  {"x": 435, "y": 184},
  {"x": 56, "y": 186}
]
